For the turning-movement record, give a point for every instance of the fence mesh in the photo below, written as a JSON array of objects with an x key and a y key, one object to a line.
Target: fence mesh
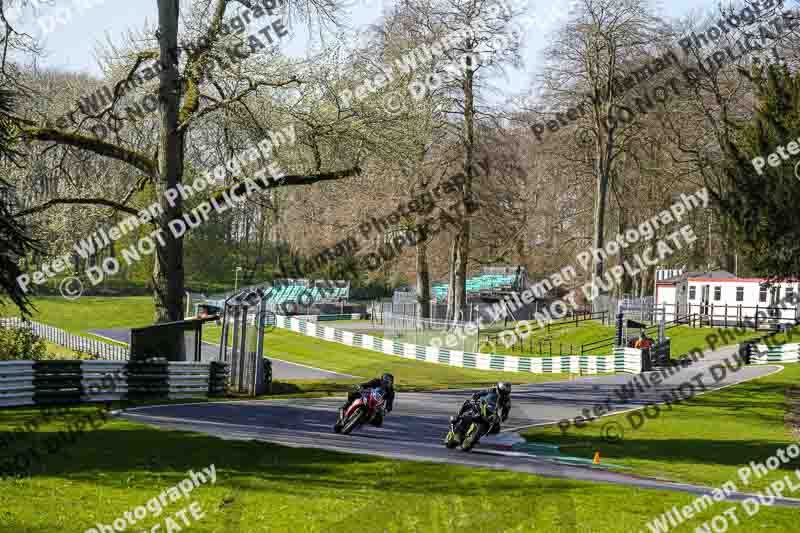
[{"x": 449, "y": 334}]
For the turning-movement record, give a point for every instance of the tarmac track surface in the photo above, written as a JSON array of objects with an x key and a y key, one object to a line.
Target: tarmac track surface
[{"x": 416, "y": 427}]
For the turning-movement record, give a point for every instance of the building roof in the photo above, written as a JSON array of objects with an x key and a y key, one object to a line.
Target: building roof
[{"x": 714, "y": 274}]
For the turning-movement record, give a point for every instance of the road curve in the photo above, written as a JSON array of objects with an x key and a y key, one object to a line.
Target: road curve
[{"x": 414, "y": 430}]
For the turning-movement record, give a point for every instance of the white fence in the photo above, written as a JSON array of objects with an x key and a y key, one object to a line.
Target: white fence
[{"x": 76, "y": 343}]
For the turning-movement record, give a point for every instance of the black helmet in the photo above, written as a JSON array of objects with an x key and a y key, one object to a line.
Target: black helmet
[
  {"x": 503, "y": 388},
  {"x": 387, "y": 380}
]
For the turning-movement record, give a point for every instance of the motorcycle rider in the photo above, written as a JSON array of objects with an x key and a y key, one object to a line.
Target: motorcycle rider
[
  {"x": 499, "y": 396},
  {"x": 385, "y": 382}
]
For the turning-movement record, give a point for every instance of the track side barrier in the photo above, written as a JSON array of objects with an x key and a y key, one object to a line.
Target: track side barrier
[{"x": 622, "y": 360}]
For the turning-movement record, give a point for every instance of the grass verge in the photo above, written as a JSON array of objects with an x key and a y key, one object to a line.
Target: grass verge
[
  {"x": 704, "y": 440},
  {"x": 267, "y": 488},
  {"x": 409, "y": 374},
  {"x": 92, "y": 312}
]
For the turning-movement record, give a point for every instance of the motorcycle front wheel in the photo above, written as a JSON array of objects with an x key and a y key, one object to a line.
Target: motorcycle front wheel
[
  {"x": 352, "y": 422},
  {"x": 452, "y": 439},
  {"x": 472, "y": 437}
]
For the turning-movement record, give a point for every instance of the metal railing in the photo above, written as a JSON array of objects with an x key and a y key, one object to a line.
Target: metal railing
[{"x": 75, "y": 343}]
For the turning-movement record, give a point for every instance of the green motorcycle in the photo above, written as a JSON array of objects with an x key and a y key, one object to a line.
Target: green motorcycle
[{"x": 467, "y": 429}]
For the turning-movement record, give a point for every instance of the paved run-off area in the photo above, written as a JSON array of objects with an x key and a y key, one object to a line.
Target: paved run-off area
[{"x": 416, "y": 427}]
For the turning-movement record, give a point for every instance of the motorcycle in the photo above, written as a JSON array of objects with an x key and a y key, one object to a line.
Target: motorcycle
[
  {"x": 466, "y": 430},
  {"x": 370, "y": 408}
]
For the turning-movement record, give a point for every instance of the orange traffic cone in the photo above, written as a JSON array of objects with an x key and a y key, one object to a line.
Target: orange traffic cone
[{"x": 596, "y": 459}]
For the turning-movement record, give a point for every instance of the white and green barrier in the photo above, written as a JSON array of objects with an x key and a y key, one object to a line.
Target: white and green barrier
[
  {"x": 622, "y": 360},
  {"x": 322, "y": 318},
  {"x": 785, "y": 353}
]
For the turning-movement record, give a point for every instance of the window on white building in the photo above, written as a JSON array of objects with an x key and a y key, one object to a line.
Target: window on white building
[
  {"x": 692, "y": 292},
  {"x": 762, "y": 294},
  {"x": 788, "y": 294},
  {"x": 739, "y": 294},
  {"x": 717, "y": 294}
]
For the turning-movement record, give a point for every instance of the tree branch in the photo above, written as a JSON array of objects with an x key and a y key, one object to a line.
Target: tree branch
[
  {"x": 195, "y": 114},
  {"x": 85, "y": 201},
  {"x": 93, "y": 144},
  {"x": 266, "y": 183}
]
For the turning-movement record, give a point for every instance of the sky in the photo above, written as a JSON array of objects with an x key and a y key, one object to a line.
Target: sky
[{"x": 71, "y": 43}]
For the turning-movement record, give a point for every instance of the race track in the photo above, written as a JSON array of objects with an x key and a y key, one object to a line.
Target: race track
[{"x": 416, "y": 427}]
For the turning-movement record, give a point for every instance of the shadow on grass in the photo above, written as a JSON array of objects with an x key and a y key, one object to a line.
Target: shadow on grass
[
  {"x": 127, "y": 454},
  {"x": 696, "y": 431},
  {"x": 668, "y": 450}
]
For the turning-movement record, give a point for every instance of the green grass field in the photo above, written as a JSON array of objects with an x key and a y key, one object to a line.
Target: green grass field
[
  {"x": 568, "y": 338},
  {"x": 267, "y": 488},
  {"x": 704, "y": 440},
  {"x": 91, "y": 312},
  {"x": 409, "y": 374}
]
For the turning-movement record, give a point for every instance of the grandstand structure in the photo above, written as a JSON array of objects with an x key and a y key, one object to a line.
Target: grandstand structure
[
  {"x": 289, "y": 296},
  {"x": 492, "y": 284}
]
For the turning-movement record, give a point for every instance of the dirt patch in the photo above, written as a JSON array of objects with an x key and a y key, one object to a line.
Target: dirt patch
[{"x": 792, "y": 416}]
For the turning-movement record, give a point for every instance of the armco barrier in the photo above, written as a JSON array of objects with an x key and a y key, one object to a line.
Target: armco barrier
[
  {"x": 168, "y": 380},
  {"x": 53, "y": 382},
  {"x": 103, "y": 381},
  {"x": 623, "y": 359},
  {"x": 785, "y": 353},
  {"x": 16, "y": 383},
  {"x": 57, "y": 381}
]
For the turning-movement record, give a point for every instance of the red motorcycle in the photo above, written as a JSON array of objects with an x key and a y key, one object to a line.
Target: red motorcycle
[{"x": 370, "y": 408}]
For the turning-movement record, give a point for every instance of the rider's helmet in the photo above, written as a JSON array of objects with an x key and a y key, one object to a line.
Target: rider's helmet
[
  {"x": 503, "y": 389},
  {"x": 387, "y": 380}
]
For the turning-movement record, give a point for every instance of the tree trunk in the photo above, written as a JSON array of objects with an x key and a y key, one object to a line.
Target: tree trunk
[
  {"x": 458, "y": 275},
  {"x": 728, "y": 258},
  {"x": 423, "y": 273},
  {"x": 423, "y": 280},
  {"x": 599, "y": 227},
  {"x": 459, "y": 252},
  {"x": 168, "y": 265}
]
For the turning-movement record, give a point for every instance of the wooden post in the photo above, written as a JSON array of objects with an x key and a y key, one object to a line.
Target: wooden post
[{"x": 756, "y": 320}]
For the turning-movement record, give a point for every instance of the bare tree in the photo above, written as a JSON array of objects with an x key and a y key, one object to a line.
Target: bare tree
[
  {"x": 588, "y": 58},
  {"x": 180, "y": 105}
]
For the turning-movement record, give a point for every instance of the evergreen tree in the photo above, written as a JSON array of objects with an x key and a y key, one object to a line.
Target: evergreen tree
[
  {"x": 763, "y": 207},
  {"x": 14, "y": 241}
]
